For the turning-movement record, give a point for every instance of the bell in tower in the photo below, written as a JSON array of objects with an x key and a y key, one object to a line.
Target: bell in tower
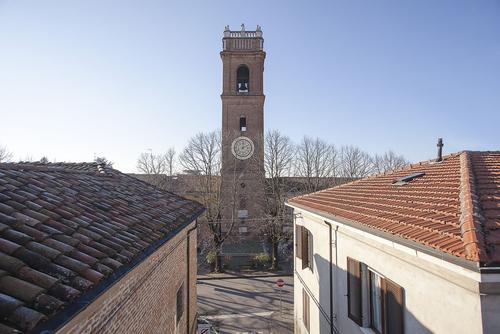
[{"x": 242, "y": 77}]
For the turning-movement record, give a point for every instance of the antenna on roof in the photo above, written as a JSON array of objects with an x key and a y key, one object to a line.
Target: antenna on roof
[{"x": 440, "y": 149}]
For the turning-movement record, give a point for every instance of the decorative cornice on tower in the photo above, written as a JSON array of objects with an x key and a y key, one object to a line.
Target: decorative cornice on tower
[{"x": 242, "y": 40}]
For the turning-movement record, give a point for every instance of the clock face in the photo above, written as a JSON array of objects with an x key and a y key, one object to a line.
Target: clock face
[{"x": 242, "y": 148}]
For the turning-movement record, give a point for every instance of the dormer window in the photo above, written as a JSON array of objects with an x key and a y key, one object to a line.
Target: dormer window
[
  {"x": 243, "y": 124},
  {"x": 242, "y": 78}
]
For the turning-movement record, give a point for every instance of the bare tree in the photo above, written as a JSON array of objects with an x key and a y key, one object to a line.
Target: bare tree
[
  {"x": 5, "y": 154},
  {"x": 170, "y": 161},
  {"x": 388, "y": 161},
  {"x": 159, "y": 168},
  {"x": 317, "y": 162},
  {"x": 202, "y": 156},
  {"x": 28, "y": 158},
  {"x": 151, "y": 164},
  {"x": 279, "y": 152},
  {"x": 355, "y": 163}
]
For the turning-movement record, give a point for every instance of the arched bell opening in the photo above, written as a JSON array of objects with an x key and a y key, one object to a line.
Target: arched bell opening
[{"x": 242, "y": 79}]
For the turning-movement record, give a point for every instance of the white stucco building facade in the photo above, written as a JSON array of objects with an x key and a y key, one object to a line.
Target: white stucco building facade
[{"x": 353, "y": 277}]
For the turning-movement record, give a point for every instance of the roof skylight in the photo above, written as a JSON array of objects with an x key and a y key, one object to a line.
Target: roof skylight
[{"x": 407, "y": 178}]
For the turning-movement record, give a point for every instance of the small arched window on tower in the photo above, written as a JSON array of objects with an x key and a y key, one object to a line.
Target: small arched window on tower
[
  {"x": 242, "y": 78},
  {"x": 243, "y": 124}
]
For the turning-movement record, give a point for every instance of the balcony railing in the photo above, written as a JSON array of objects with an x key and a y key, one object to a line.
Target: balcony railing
[
  {"x": 242, "y": 40},
  {"x": 242, "y": 33}
]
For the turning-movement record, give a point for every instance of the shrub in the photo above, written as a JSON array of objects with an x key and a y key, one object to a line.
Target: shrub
[
  {"x": 211, "y": 256},
  {"x": 262, "y": 259}
]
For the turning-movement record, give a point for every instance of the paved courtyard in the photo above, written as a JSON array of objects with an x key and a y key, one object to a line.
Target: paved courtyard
[{"x": 247, "y": 305}]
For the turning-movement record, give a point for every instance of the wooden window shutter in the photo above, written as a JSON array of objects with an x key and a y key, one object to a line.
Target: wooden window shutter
[
  {"x": 305, "y": 248},
  {"x": 305, "y": 309},
  {"x": 310, "y": 250},
  {"x": 354, "y": 290},
  {"x": 298, "y": 241},
  {"x": 393, "y": 310}
]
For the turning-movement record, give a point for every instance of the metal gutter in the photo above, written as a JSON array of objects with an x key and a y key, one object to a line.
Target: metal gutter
[{"x": 61, "y": 318}]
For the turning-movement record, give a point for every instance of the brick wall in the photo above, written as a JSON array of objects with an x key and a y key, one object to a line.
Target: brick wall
[
  {"x": 144, "y": 300},
  {"x": 242, "y": 181}
]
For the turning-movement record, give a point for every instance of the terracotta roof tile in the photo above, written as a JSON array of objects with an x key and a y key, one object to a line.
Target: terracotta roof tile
[
  {"x": 7, "y": 246},
  {"x": 454, "y": 207},
  {"x": 64, "y": 292},
  {"x": 47, "y": 304},
  {"x": 9, "y": 305},
  {"x": 103, "y": 269},
  {"x": 111, "y": 263},
  {"x": 25, "y": 318},
  {"x": 66, "y": 227},
  {"x": 19, "y": 289},
  {"x": 36, "y": 277}
]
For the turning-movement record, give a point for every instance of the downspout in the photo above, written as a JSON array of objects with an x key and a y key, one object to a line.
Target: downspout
[
  {"x": 336, "y": 266},
  {"x": 330, "y": 228},
  {"x": 331, "y": 277},
  {"x": 188, "y": 278}
]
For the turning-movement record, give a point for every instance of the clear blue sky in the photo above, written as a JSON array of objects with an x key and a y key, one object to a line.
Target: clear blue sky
[{"x": 116, "y": 78}]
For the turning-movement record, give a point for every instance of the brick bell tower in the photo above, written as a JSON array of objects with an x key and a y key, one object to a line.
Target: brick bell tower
[{"x": 242, "y": 128}]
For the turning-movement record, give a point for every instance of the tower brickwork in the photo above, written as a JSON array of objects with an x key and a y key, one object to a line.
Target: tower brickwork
[{"x": 243, "y": 128}]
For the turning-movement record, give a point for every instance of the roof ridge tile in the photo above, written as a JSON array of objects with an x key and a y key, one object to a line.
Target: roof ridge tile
[{"x": 470, "y": 217}]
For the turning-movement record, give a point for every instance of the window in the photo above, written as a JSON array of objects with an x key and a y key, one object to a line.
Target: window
[
  {"x": 375, "y": 302},
  {"x": 354, "y": 290},
  {"x": 242, "y": 214},
  {"x": 243, "y": 124},
  {"x": 180, "y": 303},
  {"x": 383, "y": 304},
  {"x": 304, "y": 246},
  {"x": 242, "y": 78},
  {"x": 305, "y": 309},
  {"x": 298, "y": 241},
  {"x": 310, "y": 255},
  {"x": 386, "y": 305}
]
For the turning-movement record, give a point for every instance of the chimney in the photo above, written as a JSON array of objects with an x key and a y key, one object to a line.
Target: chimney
[
  {"x": 440, "y": 149},
  {"x": 101, "y": 168}
]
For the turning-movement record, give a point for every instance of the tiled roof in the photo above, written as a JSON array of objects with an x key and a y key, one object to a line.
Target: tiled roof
[
  {"x": 64, "y": 228},
  {"x": 454, "y": 207}
]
